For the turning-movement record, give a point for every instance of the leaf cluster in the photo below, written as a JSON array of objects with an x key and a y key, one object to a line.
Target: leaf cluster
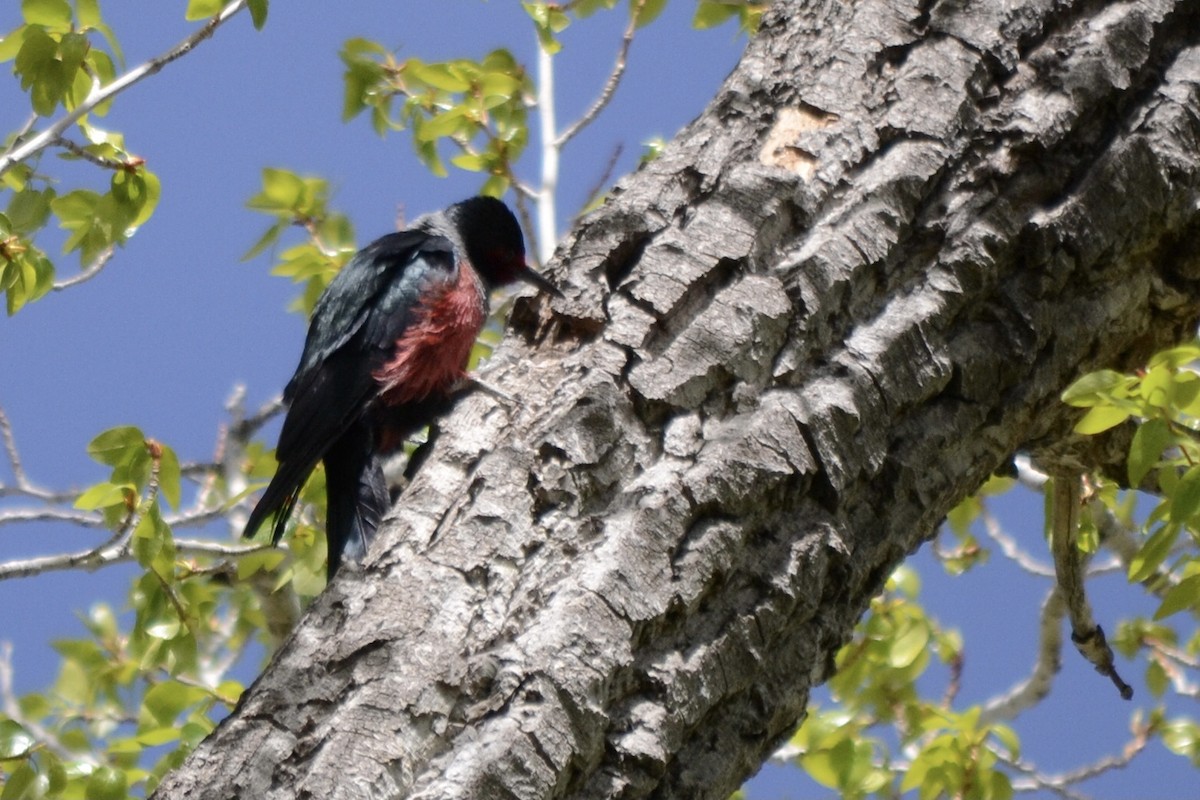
[
  {"x": 479, "y": 108},
  {"x": 62, "y": 55},
  {"x": 937, "y": 751}
]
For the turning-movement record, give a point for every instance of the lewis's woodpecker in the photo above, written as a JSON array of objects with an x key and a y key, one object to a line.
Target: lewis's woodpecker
[{"x": 387, "y": 347}]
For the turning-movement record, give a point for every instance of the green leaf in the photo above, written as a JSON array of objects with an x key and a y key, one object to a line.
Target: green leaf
[
  {"x": 446, "y": 124},
  {"x": 1091, "y": 388},
  {"x": 164, "y": 629},
  {"x": 263, "y": 560},
  {"x": 136, "y": 192},
  {"x": 1155, "y": 386},
  {"x": 711, "y": 13},
  {"x": 170, "y": 477},
  {"x": 585, "y": 8},
  {"x": 471, "y": 162},
  {"x": 1152, "y": 554},
  {"x": 1176, "y": 357},
  {"x": 1183, "y": 595},
  {"x": 907, "y": 646},
  {"x": 821, "y": 768},
  {"x": 1101, "y": 418},
  {"x": 1149, "y": 441},
  {"x": 1185, "y": 501},
  {"x": 158, "y": 736},
  {"x": 270, "y": 237},
  {"x": 282, "y": 191},
  {"x": 1008, "y": 737},
  {"x": 15, "y": 741},
  {"x": 103, "y": 495},
  {"x": 202, "y": 9},
  {"x": 40, "y": 70},
  {"x": 442, "y": 76},
  {"x": 29, "y": 209},
  {"x": 107, "y": 783},
  {"x": 87, "y": 12},
  {"x": 117, "y": 445},
  {"x": 648, "y": 10},
  {"x": 258, "y": 13},
  {"x": 22, "y": 784},
  {"x": 10, "y": 45},
  {"x": 494, "y": 186},
  {"x": 1157, "y": 680},
  {"x": 51, "y": 13}
]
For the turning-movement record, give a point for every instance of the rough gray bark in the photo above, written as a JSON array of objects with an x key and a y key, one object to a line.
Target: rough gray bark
[{"x": 839, "y": 300}]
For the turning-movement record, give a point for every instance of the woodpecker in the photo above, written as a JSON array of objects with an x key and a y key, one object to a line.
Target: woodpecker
[{"x": 387, "y": 347}]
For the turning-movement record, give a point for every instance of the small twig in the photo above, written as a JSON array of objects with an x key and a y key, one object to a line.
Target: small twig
[
  {"x": 1069, "y": 566},
  {"x": 1170, "y": 659},
  {"x": 26, "y": 128},
  {"x": 605, "y": 176},
  {"x": 81, "y": 518},
  {"x": 99, "y": 94},
  {"x": 1141, "y": 736},
  {"x": 100, "y": 161},
  {"x": 208, "y": 548},
  {"x": 1035, "y": 781},
  {"x": 245, "y": 427},
  {"x": 1010, "y": 548},
  {"x": 610, "y": 85},
  {"x": 90, "y": 558},
  {"x": 14, "y": 456},
  {"x": 90, "y": 271},
  {"x": 1029, "y": 693},
  {"x": 954, "y": 685}
]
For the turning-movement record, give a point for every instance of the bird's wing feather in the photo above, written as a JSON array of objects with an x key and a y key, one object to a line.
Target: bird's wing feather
[
  {"x": 352, "y": 333},
  {"x": 354, "y": 326}
]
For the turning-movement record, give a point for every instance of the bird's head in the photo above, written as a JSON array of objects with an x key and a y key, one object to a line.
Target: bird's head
[{"x": 492, "y": 237}]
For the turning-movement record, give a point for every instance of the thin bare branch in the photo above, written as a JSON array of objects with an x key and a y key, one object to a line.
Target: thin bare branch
[
  {"x": 245, "y": 427},
  {"x": 79, "y": 150},
  {"x": 91, "y": 558},
  {"x": 14, "y": 456},
  {"x": 1032, "y": 690},
  {"x": 99, "y": 94},
  {"x": 88, "y": 272},
  {"x": 1010, "y": 548},
  {"x": 209, "y": 548},
  {"x": 605, "y": 176},
  {"x": 82, "y": 518},
  {"x": 610, "y": 85},
  {"x": 1132, "y": 749}
]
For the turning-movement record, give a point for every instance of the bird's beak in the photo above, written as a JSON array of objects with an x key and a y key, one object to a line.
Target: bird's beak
[{"x": 529, "y": 275}]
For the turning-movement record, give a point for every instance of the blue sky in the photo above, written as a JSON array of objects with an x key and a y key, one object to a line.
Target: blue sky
[{"x": 177, "y": 320}]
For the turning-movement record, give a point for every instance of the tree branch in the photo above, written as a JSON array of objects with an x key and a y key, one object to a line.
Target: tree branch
[
  {"x": 610, "y": 85},
  {"x": 92, "y": 270},
  {"x": 1067, "y": 497},
  {"x": 99, "y": 94}
]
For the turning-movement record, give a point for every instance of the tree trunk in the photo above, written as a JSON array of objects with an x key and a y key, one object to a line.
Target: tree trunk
[{"x": 848, "y": 292}]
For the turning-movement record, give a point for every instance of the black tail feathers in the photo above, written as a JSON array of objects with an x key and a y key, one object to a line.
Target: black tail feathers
[{"x": 357, "y": 499}]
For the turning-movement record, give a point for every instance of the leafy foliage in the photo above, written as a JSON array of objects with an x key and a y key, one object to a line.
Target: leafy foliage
[
  {"x": 62, "y": 56},
  {"x": 304, "y": 202},
  {"x": 479, "y": 108},
  {"x": 885, "y": 737}
]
